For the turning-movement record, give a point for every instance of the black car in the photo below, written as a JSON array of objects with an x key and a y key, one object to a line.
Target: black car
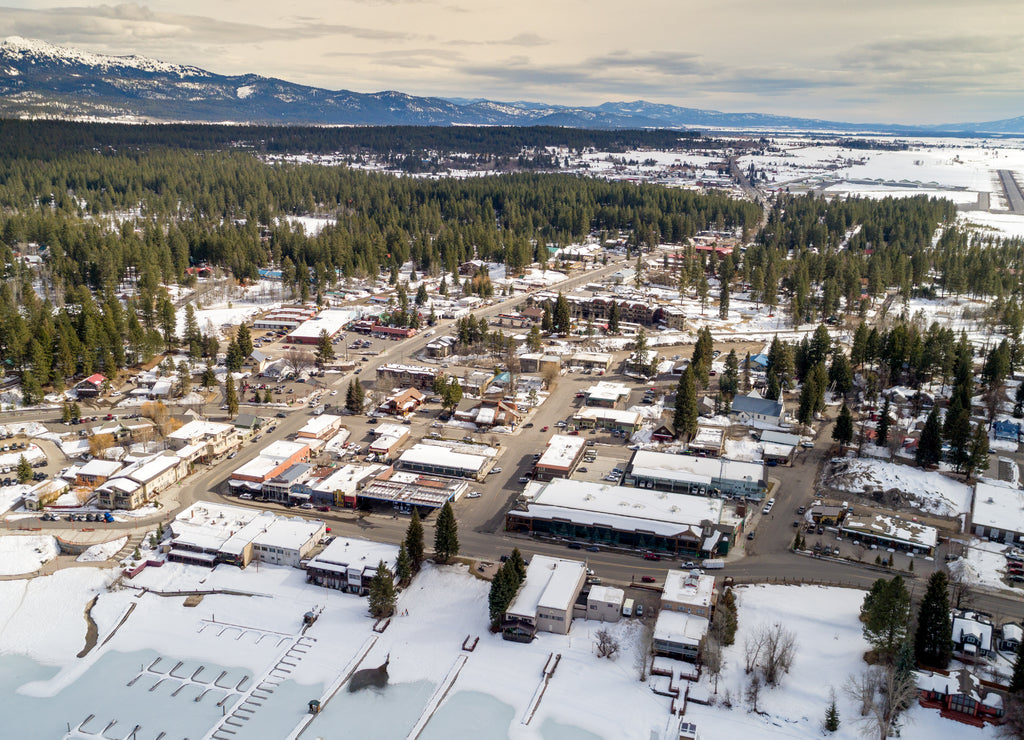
[
  {"x": 575, "y": 546},
  {"x": 593, "y": 548},
  {"x": 281, "y": 415}
]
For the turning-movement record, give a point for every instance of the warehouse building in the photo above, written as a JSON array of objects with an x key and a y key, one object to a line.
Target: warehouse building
[
  {"x": 438, "y": 460},
  {"x": 703, "y": 476}
]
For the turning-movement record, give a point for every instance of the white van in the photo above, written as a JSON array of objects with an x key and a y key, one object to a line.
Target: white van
[{"x": 627, "y": 608}]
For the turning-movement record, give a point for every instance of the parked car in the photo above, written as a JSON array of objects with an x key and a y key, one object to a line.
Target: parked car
[
  {"x": 646, "y": 579},
  {"x": 652, "y": 556},
  {"x": 544, "y": 428},
  {"x": 640, "y": 608},
  {"x": 473, "y": 494},
  {"x": 281, "y": 415},
  {"x": 496, "y": 469},
  {"x": 575, "y": 546}
]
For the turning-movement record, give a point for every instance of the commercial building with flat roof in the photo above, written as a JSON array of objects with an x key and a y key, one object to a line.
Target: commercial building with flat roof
[
  {"x": 603, "y": 418},
  {"x": 689, "y": 592},
  {"x": 415, "y": 376},
  {"x": 630, "y": 517},
  {"x": 213, "y": 438},
  {"x": 998, "y": 512},
  {"x": 272, "y": 460},
  {"x": 320, "y": 427},
  {"x": 678, "y": 635},
  {"x": 329, "y": 320},
  {"x": 209, "y": 533},
  {"x": 891, "y": 531},
  {"x": 284, "y": 318},
  {"x": 703, "y": 476},
  {"x": 437, "y": 460},
  {"x": 545, "y": 601},
  {"x": 560, "y": 457},
  {"x": 604, "y": 603},
  {"x": 350, "y": 564},
  {"x": 606, "y": 394},
  {"x": 403, "y": 490}
]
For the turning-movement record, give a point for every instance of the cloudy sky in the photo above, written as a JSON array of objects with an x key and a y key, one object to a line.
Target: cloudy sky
[{"x": 900, "y": 61}]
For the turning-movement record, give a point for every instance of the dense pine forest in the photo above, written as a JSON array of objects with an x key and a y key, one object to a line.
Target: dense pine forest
[{"x": 101, "y": 203}]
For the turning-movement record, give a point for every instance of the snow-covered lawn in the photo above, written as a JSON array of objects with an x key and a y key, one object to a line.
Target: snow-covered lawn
[
  {"x": 101, "y": 552},
  {"x": 25, "y": 553},
  {"x": 830, "y": 648},
  {"x": 932, "y": 492}
]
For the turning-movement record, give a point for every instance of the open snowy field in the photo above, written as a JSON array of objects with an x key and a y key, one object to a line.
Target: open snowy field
[
  {"x": 25, "y": 553},
  {"x": 830, "y": 648},
  {"x": 934, "y": 493}
]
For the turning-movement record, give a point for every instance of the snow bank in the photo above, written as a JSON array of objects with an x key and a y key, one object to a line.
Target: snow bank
[
  {"x": 25, "y": 553},
  {"x": 104, "y": 551}
]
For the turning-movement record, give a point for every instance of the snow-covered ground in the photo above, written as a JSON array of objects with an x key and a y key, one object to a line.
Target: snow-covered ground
[
  {"x": 932, "y": 491},
  {"x": 25, "y": 553},
  {"x": 830, "y": 648},
  {"x": 983, "y": 563},
  {"x": 490, "y": 697},
  {"x": 101, "y": 552}
]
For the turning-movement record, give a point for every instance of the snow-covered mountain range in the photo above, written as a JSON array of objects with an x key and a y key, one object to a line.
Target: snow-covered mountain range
[{"x": 44, "y": 80}]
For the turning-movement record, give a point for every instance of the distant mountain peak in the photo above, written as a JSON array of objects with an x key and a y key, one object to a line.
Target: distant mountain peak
[
  {"x": 39, "y": 79},
  {"x": 19, "y": 48}
]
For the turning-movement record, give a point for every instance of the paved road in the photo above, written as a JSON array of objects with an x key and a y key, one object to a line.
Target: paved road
[{"x": 1014, "y": 197}]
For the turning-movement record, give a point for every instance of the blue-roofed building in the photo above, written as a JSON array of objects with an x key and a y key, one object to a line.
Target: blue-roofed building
[
  {"x": 755, "y": 408},
  {"x": 759, "y": 361},
  {"x": 1006, "y": 429}
]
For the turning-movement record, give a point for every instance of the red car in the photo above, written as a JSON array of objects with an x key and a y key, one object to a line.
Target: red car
[
  {"x": 647, "y": 579},
  {"x": 544, "y": 429},
  {"x": 652, "y": 556}
]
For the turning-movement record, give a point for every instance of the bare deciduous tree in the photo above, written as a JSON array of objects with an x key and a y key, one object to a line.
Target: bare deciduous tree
[
  {"x": 883, "y": 694},
  {"x": 753, "y": 693},
  {"x": 299, "y": 359},
  {"x": 711, "y": 657},
  {"x": 779, "y": 648},
  {"x": 752, "y": 646},
  {"x": 607, "y": 645}
]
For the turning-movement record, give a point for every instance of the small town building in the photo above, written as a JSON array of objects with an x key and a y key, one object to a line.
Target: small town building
[
  {"x": 330, "y": 321},
  {"x": 538, "y": 362},
  {"x": 604, "y": 603},
  {"x": 323, "y": 426},
  {"x": 337, "y": 487},
  {"x": 288, "y": 541},
  {"x": 960, "y": 695},
  {"x": 350, "y": 564},
  {"x": 279, "y": 488},
  {"x": 247, "y": 422},
  {"x": 702, "y": 476},
  {"x": 561, "y": 457},
  {"x": 442, "y": 347},
  {"x": 678, "y": 635},
  {"x": 778, "y": 446},
  {"x": 96, "y": 471},
  {"x": 443, "y": 461},
  {"x": 972, "y": 634},
  {"x": 891, "y": 531},
  {"x": 272, "y": 461},
  {"x": 606, "y": 395},
  {"x": 627, "y": 517},
  {"x": 753, "y": 408},
  {"x": 1010, "y": 637},
  {"x": 606, "y": 418},
  {"x": 387, "y": 439},
  {"x": 488, "y": 412},
  {"x": 1006, "y": 430},
  {"x": 593, "y": 361},
  {"x": 209, "y": 439},
  {"x": 45, "y": 493},
  {"x": 403, "y": 491},
  {"x": 402, "y": 402},
  {"x": 708, "y": 441},
  {"x": 545, "y": 600},
  {"x": 401, "y": 376},
  {"x": 91, "y": 387},
  {"x": 998, "y": 512},
  {"x": 689, "y": 592},
  {"x": 284, "y": 318}
]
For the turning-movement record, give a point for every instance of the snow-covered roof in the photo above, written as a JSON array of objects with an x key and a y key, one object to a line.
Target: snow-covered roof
[
  {"x": 998, "y": 506},
  {"x": 289, "y": 534},
  {"x": 893, "y": 529},
  {"x": 970, "y": 623},
  {"x": 318, "y": 425},
  {"x": 209, "y": 526},
  {"x": 346, "y": 478},
  {"x": 282, "y": 450},
  {"x": 606, "y": 391},
  {"x": 146, "y": 471},
  {"x": 551, "y": 583},
  {"x": 329, "y": 321},
  {"x": 199, "y": 428},
  {"x": 618, "y": 416},
  {"x": 423, "y": 454},
  {"x": 679, "y": 628},
  {"x": 99, "y": 468},
  {"x": 693, "y": 469},
  {"x": 625, "y": 509},
  {"x": 684, "y": 587},
  {"x": 781, "y": 438},
  {"x": 562, "y": 449},
  {"x": 607, "y": 595},
  {"x": 344, "y": 553},
  {"x": 753, "y": 404}
]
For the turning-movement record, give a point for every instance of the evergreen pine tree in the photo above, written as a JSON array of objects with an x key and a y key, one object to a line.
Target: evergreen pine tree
[
  {"x": 382, "y": 592},
  {"x": 65, "y": 414},
  {"x": 446, "y": 534},
  {"x": 685, "y": 420},
  {"x": 929, "y": 446},
  {"x": 561, "y": 321},
  {"x": 613, "y": 318},
  {"x": 231, "y": 397},
  {"x": 503, "y": 590},
  {"x": 414, "y": 540},
  {"x": 324, "y": 349},
  {"x": 933, "y": 641},
  {"x": 1017, "y": 679},
  {"x": 516, "y": 558},
  {"x": 882, "y": 429},
  {"x": 723, "y": 301},
  {"x": 842, "y": 432},
  {"x": 403, "y": 566},
  {"x": 243, "y": 339},
  {"x": 977, "y": 458},
  {"x": 832, "y": 716},
  {"x": 24, "y": 470}
]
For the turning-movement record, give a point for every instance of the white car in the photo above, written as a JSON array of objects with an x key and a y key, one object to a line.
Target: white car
[
  {"x": 496, "y": 470},
  {"x": 334, "y": 393},
  {"x": 473, "y": 494},
  {"x": 306, "y": 506},
  {"x": 115, "y": 393}
]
